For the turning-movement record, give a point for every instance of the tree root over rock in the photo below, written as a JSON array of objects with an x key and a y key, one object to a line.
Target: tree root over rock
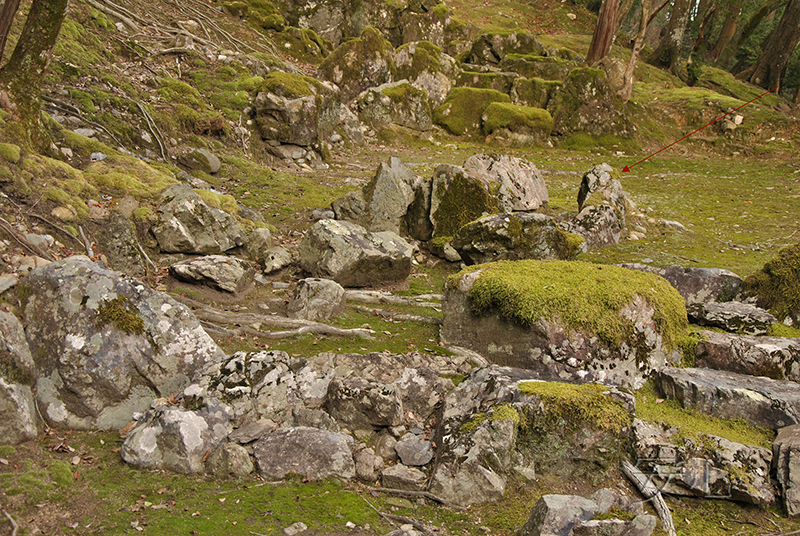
[
  {"x": 389, "y": 315},
  {"x": 650, "y": 491}
]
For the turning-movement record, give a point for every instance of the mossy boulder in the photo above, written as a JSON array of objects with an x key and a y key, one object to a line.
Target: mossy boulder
[
  {"x": 303, "y": 44},
  {"x": 777, "y": 285},
  {"x": 360, "y": 63},
  {"x": 502, "y": 82},
  {"x": 493, "y": 46},
  {"x": 440, "y": 27},
  {"x": 425, "y": 65},
  {"x": 514, "y": 236},
  {"x": 586, "y": 102},
  {"x": 10, "y": 153},
  {"x": 461, "y": 111},
  {"x": 530, "y": 66},
  {"x": 457, "y": 198},
  {"x": 396, "y": 103},
  {"x": 509, "y": 124},
  {"x": 565, "y": 320},
  {"x": 534, "y": 92}
]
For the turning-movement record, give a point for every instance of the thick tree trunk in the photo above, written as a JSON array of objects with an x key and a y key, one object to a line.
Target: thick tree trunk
[
  {"x": 728, "y": 29},
  {"x": 21, "y": 77},
  {"x": 668, "y": 52},
  {"x": 726, "y": 56},
  {"x": 777, "y": 51},
  {"x": 638, "y": 43},
  {"x": 7, "y": 14},
  {"x": 603, "y": 36}
]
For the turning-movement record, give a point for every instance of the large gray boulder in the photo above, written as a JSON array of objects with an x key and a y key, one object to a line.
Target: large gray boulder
[
  {"x": 358, "y": 64},
  {"x": 598, "y": 225},
  {"x": 424, "y": 65},
  {"x": 735, "y": 317},
  {"x": 786, "y": 467},
  {"x": 517, "y": 183},
  {"x": 224, "y": 273},
  {"x": 177, "y": 439},
  {"x": 556, "y": 515},
  {"x": 17, "y": 377},
  {"x": 188, "y": 225},
  {"x": 200, "y": 159},
  {"x": 105, "y": 345},
  {"x": 353, "y": 257},
  {"x": 361, "y": 404},
  {"x": 395, "y": 103},
  {"x": 315, "y": 454},
  {"x": 513, "y": 236},
  {"x": 775, "y": 357},
  {"x": 316, "y": 299},
  {"x": 758, "y": 400},
  {"x": 697, "y": 285}
]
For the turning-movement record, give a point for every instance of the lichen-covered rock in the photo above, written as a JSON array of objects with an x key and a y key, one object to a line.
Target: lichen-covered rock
[
  {"x": 598, "y": 226},
  {"x": 535, "y": 66},
  {"x": 395, "y": 103},
  {"x": 777, "y": 285},
  {"x": 368, "y": 465},
  {"x": 735, "y": 317},
  {"x": 316, "y": 299},
  {"x": 557, "y": 514},
  {"x": 353, "y": 257},
  {"x": 439, "y": 25},
  {"x": 514, "y": 237},
  {"x": 200, "y": 159},
  {"x": 258, "y": 243},
  {"x": 774, "y": 357},
  {"x": 697, "y": 285},
  {"x": 493, "y": 47},
  {"x": 360, "y": 63},
  {"x": 361, "y": 404},
  {"x": 462, "y": 110},
  {"x": 786, "y": 466},
  {"x": 295, "y": 109},
  {"x": 517, "y": 183},
  {"x": 177, "y": 439},
  {"x": 315, "y": 454},
  {"x": 586, "y": 102},
  {"x": 17, "y": 412},
  {"x": 16, "y": 363},
  {"x": 218, "y": 271},
  {"x": 188, "y": 225},
  {"x": 118, "y": 241},
  {"x": 565, "y": 320},
  {"x": 424, "y": 65},
  {"x": 600, "y": 182},
  {"x": 457, "y": 198},
  {"x": 414, "y": 450},
  {"x": 534, "y": 92},
  {"x": 516, "y": 126},
  {"x": 105, "y": 345},
  {"x": 399, "y": 476},
  {"x": 502, "y": 82},
  {"x": 229, "y": 459},
  {"x": 276, "y": 258},
  {"x": 758, "y": 400}
]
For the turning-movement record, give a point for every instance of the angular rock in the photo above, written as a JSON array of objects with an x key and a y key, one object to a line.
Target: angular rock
[
  {"x": 16, "y": 361},
  {"x": 760, "y": 401},
  {"x": 518, "y": 184},
  {"x": 258, "y": 244},
  {"x": 368, "y": 465},
  {"x": 106, "y": 345},
  {"x": 786, "y": 467},
  {"x": 358, "y": 403},
  {"x": 555, "y": 515},
  {"x": 228, "y": 274},
  {"x": 200, "y": 159},
  {"x": 697, "y": 285},
  {"x": 492, "y": 48},
  {"x": 275, "y": 259},
  {"x": 414, "y": 451},
  {"x": 316, "y": 299},
  {"x": 177, "y": 439},
  {"x": 229, "y": 459},
  {"x": 599, "y": 182},
  {"x": 513, "y": 237},
  {"x": 313, "y": 418},
  {"x": 735, "y": 317},
  {"x": 17, "y": 412},
  {"x": 642, "y": 525},
  {"x": 456, "y": 199},
  {"x": 424, "y": 65},
  {"x": 359, "y": 64},
  {"x": 252, "y": 431},
  {"x": 774, "y": 357},
  {"x": 187, "y": 225},
  {"x": 775, "y": 285},
  {"x": 384, "y": 446},
  {"x": 400, "y": 476},
  {"x": 353, "y": 257},
  {"x": 395, "y": 103},
  {"x": 586, "y": 102},
  {"x": 422, "y": 391},
  {"x": 120, "y": 245},
  {"x": 315, "y": 454}
]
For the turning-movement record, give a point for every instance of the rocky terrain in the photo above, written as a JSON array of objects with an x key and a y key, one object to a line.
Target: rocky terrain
[{"x": 373, "y": 269}]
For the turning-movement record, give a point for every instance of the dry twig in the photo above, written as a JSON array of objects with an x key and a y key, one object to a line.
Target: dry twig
[
  {"x": 426, "y": 494},
  {"x": 649, "y": 490}
]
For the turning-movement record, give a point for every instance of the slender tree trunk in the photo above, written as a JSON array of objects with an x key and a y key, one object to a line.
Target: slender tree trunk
[
  {"x": 796, "y": 98},
  {"x": 726, "y": 56},
  {"x": 777, "y": 51},
  {"x": 7, "y": 14},
  {"x": 668, "y": 52},
  {"x": 728, "y": 31},
  {"x": 603, "y": 36},
  {"x": 21, "y": 77},
  {"x": 638, "y": 43},
  {"x": 622, "y": 14},
  {"x": 705, "y": 27}
]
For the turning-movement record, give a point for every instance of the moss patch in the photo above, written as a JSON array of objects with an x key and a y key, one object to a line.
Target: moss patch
[
  {"x": 288, "y": 85},
  {"x": 777, "y": 285},
  {"x": 10, "y": 152},
  {"x": 121, "y": 315},
  {"x": 461, "y": 201},
  {"x": 504, "y": 115},
  {"x": 461, "y": 111},
  {"x": 576, "y": 405},
  {"x": 582, "y": 295},
  {"x": 502, "y": 412}
]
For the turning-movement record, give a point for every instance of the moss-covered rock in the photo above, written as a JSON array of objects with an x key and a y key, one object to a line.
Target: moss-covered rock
[
  {"x": 777, "y": 285},
  {"x": 531, "y": 66},
  {"x": 440, "y": 27},
  {"x": 510, "y": 124},
  {"x": 492, "y": 47},
  {"x": 566, "y": 320},
  {"x": 502, "y": 82},
  {"x": 533, "y": 92},
  {"x": 398, "y": 103},
  {"x": 10, "y": 153},
  {"x": 457, "y": 198},
  {"x": 461, "y": 111},
  {"x": 303, "y": 44},
  {"x": 424, "y": 65}
]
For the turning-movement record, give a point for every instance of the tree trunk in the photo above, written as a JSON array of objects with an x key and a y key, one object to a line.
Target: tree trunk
[
  {"x": 705, "y": 28},
  {"x": 638, "y": 43},
  {"x": 622, "y": 14},
  {"x": 777, "y": 51},
  {"x": 6, "y": 20},
  {"x": 726, "y": 56},
  {"x": 603, "y": 36},
  {"x": 668, "y": 52},
  {"x": 728, "y": 29},
  {"x": 21, "y": 77},
  {"x": 796, "y": 98}
]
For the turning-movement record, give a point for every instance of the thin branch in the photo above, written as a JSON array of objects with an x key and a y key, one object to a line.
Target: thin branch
[
  {"x": 86, "y": 243},
  {"x": 22, "y": 241},
  {"x": 426, "y": 494},
  {"x": 127, "y": 21},
  {"x": 388, "y": 315},
  {"x": 14, "y": 526},
  {"x": 413, "y": 522},
  {"x": 649, "y": 490},
  {"x": 384, "y": 516}
]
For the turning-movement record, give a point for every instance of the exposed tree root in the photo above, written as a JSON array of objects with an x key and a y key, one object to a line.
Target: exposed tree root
[
  {"x": 377, "y": 296},
  {"x": 389, "y": 315},
  {"x": 426, "y": 494},
  {"x": 649, "y": 490}
]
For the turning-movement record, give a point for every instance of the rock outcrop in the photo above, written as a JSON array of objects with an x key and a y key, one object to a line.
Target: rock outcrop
[{"x": 774, "y": 357}]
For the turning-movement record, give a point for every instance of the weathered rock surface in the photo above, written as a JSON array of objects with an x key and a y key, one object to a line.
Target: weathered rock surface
[
  {"x": 775, "y": 357},
  {"x": 17, "y": 376},
  {"x": 598, "y": 226},
  {"x": 218, "y": 271},
  {"x": 316, "y": 299},
  {"x": 200, "y": 159},
  {"x": 313, "y": 453},
  {"x": 105, "y": 345},
  {"x": 697, "y": 285},
  {"x": 395, "y": 103},
  {"x": 361, "y": 404},
  {"x": 177, "y": 439},
  {"x": 512, "y": 236},
  {"x": 424, "y": 65},
  {"x": 492, "y": 48},
  {"x": 760, "y": 401},
  {"x": 187, "y": 225},
  {"x": 557, "y": 514},
  {"x": 642, "y": 525},
  {"x": 258, "y": 243},
  {"x": 120, "y": 245},
  {"x": 599, "y": 182},
  {"x": 786, "y": 467},
  {"x": 276, "y": 258},
  {"x": 519, "y": 183},
  {"x": 413, "y": 450},
  {"x": 400, "y": 476},
  {"x": 358, "y": 64},
  {"x": 353, "y": 257},
  {"x": 735, "y": 317},
  {"x": 229, "y": 459},
  {"x": 586, "y": 102}
]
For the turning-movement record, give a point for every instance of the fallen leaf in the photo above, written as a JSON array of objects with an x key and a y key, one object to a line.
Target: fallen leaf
[
  {"x": 76, "y": 475},
  {"x": 3, "y": 461},
  {"x": 196, "y": 513},
  {"x": 161, "y": 491},
  {"x": 222, "y": 500}
]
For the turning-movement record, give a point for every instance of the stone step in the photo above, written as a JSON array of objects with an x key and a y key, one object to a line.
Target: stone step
[{"x": 773, "y": 357}]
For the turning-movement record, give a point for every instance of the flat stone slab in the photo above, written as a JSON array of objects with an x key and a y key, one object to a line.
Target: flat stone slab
[
  {"x": 697, "y": 285},
  {"x": 786, "y": 460},
  {"x": 774, "y": 357},
  {"x": 735, "y": 317},
  {"x": 758, "y": 400}
]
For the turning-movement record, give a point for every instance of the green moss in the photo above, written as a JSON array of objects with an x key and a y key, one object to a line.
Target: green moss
[
  {"x": 7, "y": 450},
  {"x": 461, "y": 201},
  {"x": 425, "y": 58},
  {"x": 121, "y": 315},
  {"x": 173, "y": 90},
  {"x": 223, "y": 202},
  {"x": 142, "y": 214},
  {"x": 583, "y": 295},
  {"x": 462, "y": 109},
  {"x": 691, "y": 423},
  {"x": 249, "y": 83},
  {"x": 502, "y": 412},
  {"x": 10, "y": 152},
  {"x": 534, "y": 91},
  {"x": 574, "y": 242},
  {"x": 124, "y": 175},
  {"x": 615, "y": 513},
  {"x": 61, "y": 474},
  {"x": 777, "y": 285},
  {"x": 504, "y": 115},
  {"x": 782, "y": 330},
  {"x": 303, "y": 44},
  {"x": 579, "y": 405},
  {"x": 289, "y": 85}
]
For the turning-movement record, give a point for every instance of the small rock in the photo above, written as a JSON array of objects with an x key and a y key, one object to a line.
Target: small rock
[
  {"x": 295, "y": 528},
  {"x": 414, "y": 451}
]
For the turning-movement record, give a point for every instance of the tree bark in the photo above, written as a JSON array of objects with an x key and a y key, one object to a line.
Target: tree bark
[
  {"x": 726, "y": 56},
  {"x": 21, "y": 77},
  {"x": 622, "y": 14},
  {"x": 728, "y": 29},
  {"x": 7, "y": 14},
  {"x": 638, "y": 43},
  {"x": 668, "y": 52},
  {"x": 603, "y": 36},
  {"x": 705, "y": 27},
  {"x": 777, "y": 51}
]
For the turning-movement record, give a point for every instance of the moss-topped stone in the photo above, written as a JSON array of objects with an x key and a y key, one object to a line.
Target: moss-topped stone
[
  {"x": 10, "y": 153},
  {"x": 491, "y": 47},
  {"x": 777, "y": 285},
  {"x": 532, "y": 66},
  {"x": 461, "y": 111},
  {"x": 533, "y": 92},
  {"x": 564, "y": 320},
  {"x": 396, "y": 103},
  {"x": 425, "y": 65},
  {"x": 518, "y": 126},
  {"x": 502, "y": 82}
]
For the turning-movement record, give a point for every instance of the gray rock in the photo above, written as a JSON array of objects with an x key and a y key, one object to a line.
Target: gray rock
[
  {"x": 120, "y": 245},
  {"x": 642, "y": 525},
  {"x": 258, "y": 243},
  {"x": 384, "y": 446},
  {"x": 599, "y": 181},
  {"x": 607, "y": 498},
  {"x": 368, "y": 465},
  {"x": 288, "y": 151},
  {"x": 512, "y": 237},
  {"x": 786, "y": 467},
  {"x": 353, "y": 257},
  {"x": 316, "y": 299},
  {"x": 314, "y": 418},
  {"x": 313, "y": 453},
  {"x": 17, "y": 412},
  {"x": 252, "y": 431},
  {"x": 187, "y": 225},
  {"x": 276, "y": 258},
  {"x": 200, "y": 159},
  {"x": 433, "y": 72},
  {"x": 414, "y": 451},
  {"x": 735, "y": 317},
  {"x": 395, "y": 103},
  {"x": 519, "y": 185},
  {"x": 760, "y": 401},
  {"x": 697, "y": 285},
  {"x": 177, "y": 439},
  {"x": 555, "y": 515},
  {"x": 16, "y": 362},
  {"x": 400, "y": 476},
  {"x": 105, "y": 345},
  {"x": 492, "y": 48},
  {"x": 585, "y": 102},
  {"x": 349, "y": 127},
  {"x": 295, "y": 528},
  {"x": 358, "y": 403},
  {"x": 422, "y": 391},
  {"x": 775, "y": 357},
  {"x": 229, "y": 459},
  {"x": 7, "y": 282},
  {"x": 598, "y": 226},
  {"x": 218, "y": 271}
]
